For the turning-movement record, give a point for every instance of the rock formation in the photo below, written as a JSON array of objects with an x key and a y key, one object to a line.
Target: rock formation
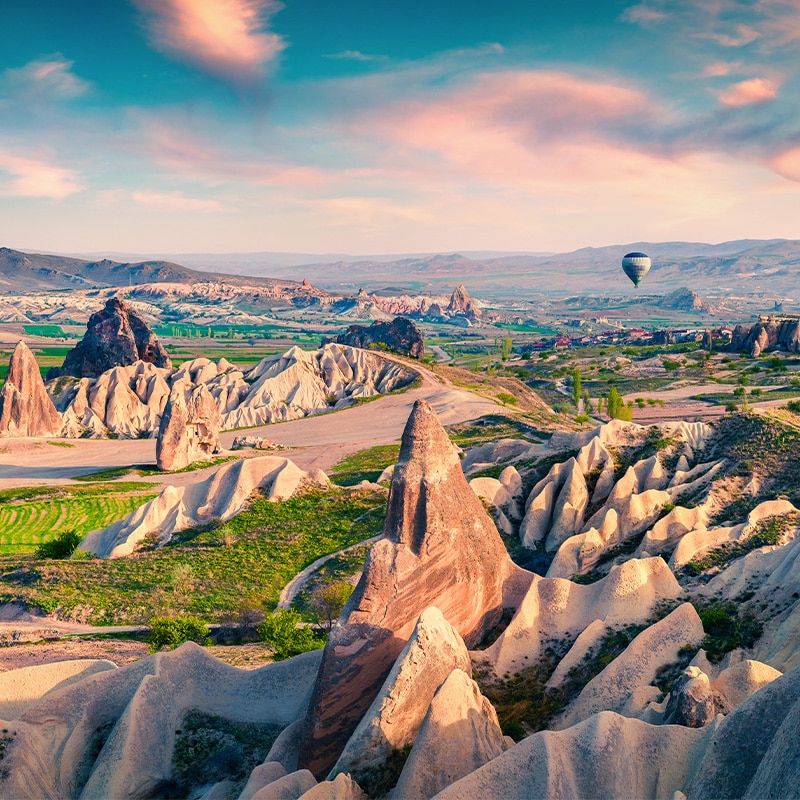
[
  {"x": 439, "y": 548},
  {"x": 691, "y": 701},
  {"x": 128, "y": 401},
  {"x": 766, "y": 334},
  {"x": 114, "y": 733},
  {"x": 220, "y": 496},
  {"x": 461, "y": 303},
  {"x": 396, "y": 714},
  {"x": 460, "y": 733},
  {"x": 25, "y": 408},
  {"x": 400, "y": 335},
  {"x": 115, "y": 336},
  {"x": 189, "y": 428}
]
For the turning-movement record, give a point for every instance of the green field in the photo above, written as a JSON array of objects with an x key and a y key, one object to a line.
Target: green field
[
  {"x": 52, "y": 331},
  {"x": 210, "y": 572},
  {"x": 29, "y": 517}
]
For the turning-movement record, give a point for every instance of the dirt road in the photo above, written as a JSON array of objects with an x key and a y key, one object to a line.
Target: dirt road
[{"x": 313, "y": 442}]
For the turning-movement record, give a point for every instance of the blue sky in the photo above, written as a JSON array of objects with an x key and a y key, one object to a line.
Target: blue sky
[{"x": 368, "y": 127}]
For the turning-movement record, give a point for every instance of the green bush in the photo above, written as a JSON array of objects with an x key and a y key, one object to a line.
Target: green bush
[
  {"x": 281, "y": 632},
  {"x": 171, "y": 632},
  {"x": 727, "y": 627},
  {"x": 63, "y": 546}
]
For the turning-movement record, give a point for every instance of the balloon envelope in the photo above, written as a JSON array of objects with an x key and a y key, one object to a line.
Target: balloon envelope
[{"x": 636, "y": 266}]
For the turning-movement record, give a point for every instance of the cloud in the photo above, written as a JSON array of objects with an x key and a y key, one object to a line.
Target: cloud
[
  {"x": 43, "y": 80},
  {"x": 643, "y": 15},
  {"x": 749, "y": 92},
  {"x": 355, "y": 55},
  {"x": 787, "y": 163},
  {"x": 175, "y": 201},
  {"x": 740, "y": 36},
  {"x": 720, "y": 69},
  {"x": 34, "y": 176},
  {"x": 226, "y": 38}
]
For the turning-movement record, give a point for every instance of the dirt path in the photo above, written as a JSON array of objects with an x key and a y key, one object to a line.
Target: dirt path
[
  {"x": 295, "y": 585},
  {"x": 313, "y": 442}
]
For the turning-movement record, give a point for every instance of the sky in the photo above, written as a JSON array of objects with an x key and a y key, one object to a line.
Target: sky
[{"x": 380, "y": 126}]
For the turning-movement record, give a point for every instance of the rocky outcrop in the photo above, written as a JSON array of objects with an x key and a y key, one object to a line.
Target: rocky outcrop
[
  {"x": 684, "y": 299},
  {"x": 766, "y": 334},
  {"x": 460, "y": 734},
  {"x": 220, "y": 496},
  {"x": 394, "y": 718},
  {"x": 554, "y": 608},
  {"x": 189, "y": 428},
  {"x": 129, "y": 401},
  {"x": 115, "y": 336},
  {"x": 619, "y": 686},
  {"x": 114, "y": 733},
  {"x": 400, "y": 335},
  {"x": 461, "y": 303},
  {"x": 439, "y": 548},
  {"x": 25, "y": 407},
  {"x": 691, "y": 700}
]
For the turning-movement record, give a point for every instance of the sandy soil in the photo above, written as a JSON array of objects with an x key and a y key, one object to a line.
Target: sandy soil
[{"x": 30, "y": 655}]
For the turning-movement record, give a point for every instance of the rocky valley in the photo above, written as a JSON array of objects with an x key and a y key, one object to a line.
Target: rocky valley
[{"x": 449, "y": 554}]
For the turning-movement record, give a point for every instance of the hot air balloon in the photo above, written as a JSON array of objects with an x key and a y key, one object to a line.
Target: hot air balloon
[{"x": 636, "y": 266}]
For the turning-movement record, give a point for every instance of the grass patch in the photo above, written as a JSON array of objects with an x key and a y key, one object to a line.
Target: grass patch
[
  {"x": 34, "y": 516},
  {"x": 727, "y": 626},
  {"x": 366, "y": 465},
  {"x": 767, "y": 532},
  {"x": 209, "y": 748},
  {"x": 490, "y": 428},
  {"x": 249, "y": 558}
]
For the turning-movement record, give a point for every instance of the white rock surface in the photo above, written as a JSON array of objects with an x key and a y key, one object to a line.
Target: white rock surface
[
  {"x": 220, "y": 496},
  {"x": 460, "y": 733}
]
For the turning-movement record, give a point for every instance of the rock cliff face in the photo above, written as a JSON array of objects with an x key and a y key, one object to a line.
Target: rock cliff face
[
  {"x": 440, "y": 548},
  {"x": 115, "y": 336},
  {"x": 189, "y": 428},
  {"x": 25, "y": 408},
  {"x": 766, "y": 335},
  {"x": 400, "y": 335}
]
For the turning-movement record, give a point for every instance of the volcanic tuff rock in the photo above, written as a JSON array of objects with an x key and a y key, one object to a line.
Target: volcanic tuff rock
[
  {"x": 394, "y": 718},
  {"x": 114, "y": 733},
  {"x": 691, "y": 700},
  {"x": 189, "y": 428},
  {"x": 766, "y": 334},
  {"x": 400, "y": 335},
  {"x": 461, "y": 303},
  {"x": 219, "y": 496},
  {"x": 25, "y": 408},
  {"x": 440, "y": 548},
  {"x": 460, "y": 733},
  {"x": 115, "y": 336}
]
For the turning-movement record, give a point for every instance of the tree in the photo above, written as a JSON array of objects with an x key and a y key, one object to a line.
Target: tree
[
  {"x": 63, "y": 546},
  {"x": 576, "y": 386},
  {"x": 281, "y": 632},
  {"x": 505, "y": 351},
  {"x": 328, "y": 601},
  {"x": 168, "y": 632},
  {"x": 616, "y": 406}
]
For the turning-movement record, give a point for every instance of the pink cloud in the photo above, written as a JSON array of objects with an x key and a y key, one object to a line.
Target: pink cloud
[
  {"x": 749, "y": 92},
  {"x": 720, "y": 69},
  {"x": 175, "y": 201},
  {"x": 223, "y": 37},
  {"x": 787, "y": 164},
  {"x": 34, "y": 176},
  {"x": 741, "y": 36}
]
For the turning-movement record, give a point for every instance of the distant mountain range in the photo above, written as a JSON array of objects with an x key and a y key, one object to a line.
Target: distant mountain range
[
  {"x": 26, "y": 272},
  {"x": 753, "y": 267}
]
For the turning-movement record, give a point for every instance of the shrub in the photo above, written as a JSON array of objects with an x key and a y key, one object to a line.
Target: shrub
[
  {"x": 506, "y": 398},
  {"x": 727, "y": 627},
  {"x": 63, "y": 546},
  {"x": 171, "y": 632},
  {"x": 328, "y": 601},
  {"x": 281, "y": 632}
]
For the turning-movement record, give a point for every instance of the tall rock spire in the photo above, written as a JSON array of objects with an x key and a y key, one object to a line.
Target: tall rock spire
[
  {"x": 25, "y": 407},
  {"x": 440, "y": 548}
]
